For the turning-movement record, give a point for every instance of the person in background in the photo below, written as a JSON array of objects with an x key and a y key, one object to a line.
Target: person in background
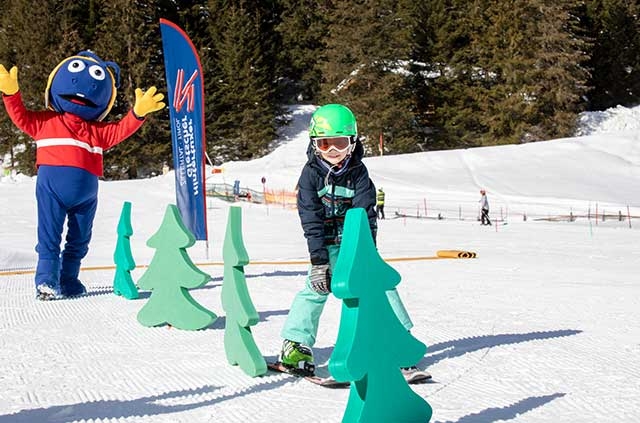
[
  {"x": 484, "y": 208},
  {"x": 333, "y": 180},
  {"x": 380, "y": 203}
]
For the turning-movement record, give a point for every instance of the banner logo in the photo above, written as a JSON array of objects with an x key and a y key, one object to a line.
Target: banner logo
[{"x": 184, "y": 92}]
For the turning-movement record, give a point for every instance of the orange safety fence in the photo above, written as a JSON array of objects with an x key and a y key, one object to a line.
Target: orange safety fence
[{"x": 285, "y": 198}]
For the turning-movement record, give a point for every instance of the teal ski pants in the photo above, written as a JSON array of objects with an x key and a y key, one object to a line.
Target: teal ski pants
[{"x": 304, "y": 315}]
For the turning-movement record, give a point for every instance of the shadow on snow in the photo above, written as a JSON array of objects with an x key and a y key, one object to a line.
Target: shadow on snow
[
  {"x": 459, "y": 347},
  {"x": 115, "y": 409},
  {"x": 509, "y": 412}
]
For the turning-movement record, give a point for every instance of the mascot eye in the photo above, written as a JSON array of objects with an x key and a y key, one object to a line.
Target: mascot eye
[
  {"x": 97, "y": 72},
  {"x": 76, "y": 66}
]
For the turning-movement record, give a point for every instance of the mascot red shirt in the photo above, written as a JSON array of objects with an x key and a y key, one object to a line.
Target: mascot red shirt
[{"x": 70, "y": 138}]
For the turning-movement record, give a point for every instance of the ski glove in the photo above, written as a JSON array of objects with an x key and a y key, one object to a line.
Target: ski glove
[
  {"x": 320, "y": 278},
  {"x": 147, "y": 102},
  {"x": 9, "y": 81}
]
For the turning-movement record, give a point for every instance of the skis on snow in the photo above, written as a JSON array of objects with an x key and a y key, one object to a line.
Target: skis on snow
[{"x": 412, "y": 376}]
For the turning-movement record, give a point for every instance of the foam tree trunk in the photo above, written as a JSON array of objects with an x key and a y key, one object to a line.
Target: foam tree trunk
[
  {"x": 372, "y": 344},
  {"x": 239, "y": 344}
]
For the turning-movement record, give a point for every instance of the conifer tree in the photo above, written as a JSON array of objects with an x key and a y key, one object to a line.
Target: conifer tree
[
  {"x": 37, "y": 39},
  {"x": 7, "y": 128},
  {"x": 242, "y": 119},
  {"x": 130, "y": 37},
  {"x": 365, "y": 66},
  {"x": 512, "y": 72},
  {"x": 614, "y": 26},
  {"x": 560, "y": 78},
  {"x": 425, "y": 71},
  {"x": 379, "y": 393},
  {"x": 239, "y": 344},
  {"x": 169, "y": 277},
  {"x": 303, "y": 29}
]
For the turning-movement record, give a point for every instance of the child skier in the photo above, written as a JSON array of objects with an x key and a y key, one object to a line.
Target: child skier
[{"x": 333, "y": 180}]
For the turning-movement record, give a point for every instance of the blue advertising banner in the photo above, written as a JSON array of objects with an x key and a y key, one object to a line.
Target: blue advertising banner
[{"x": 185, "y": 88}]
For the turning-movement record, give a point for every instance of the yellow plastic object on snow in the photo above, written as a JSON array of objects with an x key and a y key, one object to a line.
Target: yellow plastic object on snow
[{"x": 455, "y": 254}]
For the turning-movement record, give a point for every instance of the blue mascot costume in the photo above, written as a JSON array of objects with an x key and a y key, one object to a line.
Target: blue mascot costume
[{"x": 70, "y": 140}]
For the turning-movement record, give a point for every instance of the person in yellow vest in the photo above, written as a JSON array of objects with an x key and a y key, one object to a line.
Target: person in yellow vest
[{"x": 380, "y": 203}]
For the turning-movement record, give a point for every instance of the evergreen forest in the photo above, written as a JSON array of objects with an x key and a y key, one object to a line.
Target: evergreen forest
[{"x": 420, "y": 74}]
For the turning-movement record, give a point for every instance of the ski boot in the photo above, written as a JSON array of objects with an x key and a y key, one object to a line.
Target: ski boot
[
  {"x": 298, "y": 358},
  {"x": 72, "y": 288},
  {"x": 45, "y": 292}
]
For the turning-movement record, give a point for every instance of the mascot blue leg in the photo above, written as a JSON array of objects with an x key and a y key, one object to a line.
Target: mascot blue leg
[
  {"x": 71, "y": 193},
  {"x": 79, "y": 223},
  {"x": 47, "y": 274}
]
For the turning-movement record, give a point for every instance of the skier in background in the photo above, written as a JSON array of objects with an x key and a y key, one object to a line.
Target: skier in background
[
  {"x": 380, "y": 203},
  {"x": 484, "y": 208}
]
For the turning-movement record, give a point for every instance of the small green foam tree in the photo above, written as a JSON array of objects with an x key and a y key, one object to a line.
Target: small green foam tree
[
  {"x": 169, "y": 277},
  {"x": 122, "y": 283},
  {"x": 372, "y": 344},
  {"x": 239, "y": 344}
]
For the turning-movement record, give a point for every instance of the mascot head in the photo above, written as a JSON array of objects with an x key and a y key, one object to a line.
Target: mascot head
[{"x": 84, "y": 85}]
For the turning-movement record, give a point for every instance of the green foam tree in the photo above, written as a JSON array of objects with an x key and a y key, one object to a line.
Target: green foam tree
[
  {"x": 372, "y": 343},
  {"x": 239, "y": 344},
  {"x": 122, "y": 257},
  {"x": 169, "y": 277}
]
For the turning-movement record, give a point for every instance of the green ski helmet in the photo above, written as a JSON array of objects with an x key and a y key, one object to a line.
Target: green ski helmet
[{"x": 333, "y": 120}]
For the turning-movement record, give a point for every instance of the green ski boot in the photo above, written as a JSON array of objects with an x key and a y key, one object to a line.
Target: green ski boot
[{"x": 297, "y": 357}]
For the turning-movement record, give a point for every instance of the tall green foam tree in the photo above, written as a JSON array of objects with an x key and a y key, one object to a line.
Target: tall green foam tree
[
  {"x": 122, "y": 257},
  {"x": 239, "y": 344},
  {"x": 379, "y": 393},
  {"x": 170, "y": 275}
]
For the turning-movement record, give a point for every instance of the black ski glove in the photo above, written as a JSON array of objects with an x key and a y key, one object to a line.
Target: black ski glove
[{"x": 320, "y": 278}]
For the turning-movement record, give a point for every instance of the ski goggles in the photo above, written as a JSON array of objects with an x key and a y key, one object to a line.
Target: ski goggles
[{"x": 339, "y": 144}]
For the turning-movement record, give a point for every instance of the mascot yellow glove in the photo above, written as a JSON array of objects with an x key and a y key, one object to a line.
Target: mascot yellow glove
[
  {"x": 147, "y": 102},
  {"x": 9, "y": 80}
]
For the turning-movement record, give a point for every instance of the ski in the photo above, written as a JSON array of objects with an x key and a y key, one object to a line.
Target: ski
[
  {"x": 415, "y": 375},
  {"x": 327, "y": 382},
  {"x": 412, "y": 376}
]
